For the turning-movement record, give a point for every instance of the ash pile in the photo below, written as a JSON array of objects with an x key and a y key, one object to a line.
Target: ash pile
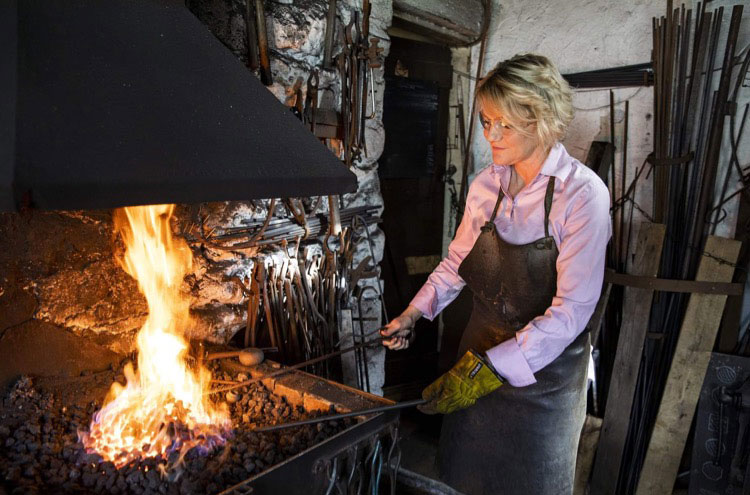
[{"x": 41, "y": 452}]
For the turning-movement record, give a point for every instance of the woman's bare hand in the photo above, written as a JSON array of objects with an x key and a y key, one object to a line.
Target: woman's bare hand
[{"x": 401, "y": 329}]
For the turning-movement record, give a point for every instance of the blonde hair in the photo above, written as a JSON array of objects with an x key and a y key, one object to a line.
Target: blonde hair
[{"x": 528, "y": 89}]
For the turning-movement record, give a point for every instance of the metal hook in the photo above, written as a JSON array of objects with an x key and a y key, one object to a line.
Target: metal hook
[
  {"x": 333, "y": 474},
  {"x": 372, "y": 94}
]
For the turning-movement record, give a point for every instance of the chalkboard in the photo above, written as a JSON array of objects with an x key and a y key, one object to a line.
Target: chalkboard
[{"x": 722, "y": 439}]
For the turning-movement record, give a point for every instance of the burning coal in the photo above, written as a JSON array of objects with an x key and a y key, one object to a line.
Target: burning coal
[{"x": 163, "y": 408}]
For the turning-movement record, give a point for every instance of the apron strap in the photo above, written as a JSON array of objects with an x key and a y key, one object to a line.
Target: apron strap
[
  {"x": 547, "y": 204},
  {"x": 500, "y": 197}
]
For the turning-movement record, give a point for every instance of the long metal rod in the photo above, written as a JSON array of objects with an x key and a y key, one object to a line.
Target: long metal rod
[
  {"x": 467, "y": 156},
  {"x": 623, "y": 246},
  {"x": 333, "y": 417},
  {"x": 717, "y": 128},
  {"x": 615, "y": 250}
]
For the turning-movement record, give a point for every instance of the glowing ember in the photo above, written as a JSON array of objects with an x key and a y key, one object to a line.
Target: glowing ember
[{"x": 163, "y": 407}]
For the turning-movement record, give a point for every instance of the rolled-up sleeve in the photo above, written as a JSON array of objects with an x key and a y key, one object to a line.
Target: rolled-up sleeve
[
  {"x": 580, "y": 273},
  {"x": 444, "y": 283}
]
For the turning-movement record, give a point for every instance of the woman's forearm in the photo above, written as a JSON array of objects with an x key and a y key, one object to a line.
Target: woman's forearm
[{"x": 412, "y": 313}]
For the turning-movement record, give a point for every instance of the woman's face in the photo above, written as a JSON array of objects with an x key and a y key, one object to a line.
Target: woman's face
[{"x": 509, "y": 145}]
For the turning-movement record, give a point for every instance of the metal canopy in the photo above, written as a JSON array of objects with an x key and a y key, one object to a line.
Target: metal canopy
[{"x": 124, "y": 102}]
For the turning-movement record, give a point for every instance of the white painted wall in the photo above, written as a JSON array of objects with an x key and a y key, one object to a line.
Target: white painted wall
[{"x": 580, "y": 35}]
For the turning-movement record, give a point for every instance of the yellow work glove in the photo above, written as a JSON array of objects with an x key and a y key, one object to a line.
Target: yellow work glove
[{"x": 471, "y": 378}]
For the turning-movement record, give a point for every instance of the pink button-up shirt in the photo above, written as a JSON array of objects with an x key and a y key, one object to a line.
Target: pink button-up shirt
[{"x": 580, "y": 224}]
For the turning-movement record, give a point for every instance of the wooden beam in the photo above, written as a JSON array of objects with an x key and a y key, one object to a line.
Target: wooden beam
[
  {"x": 636, "y": 311},
  {"x": 595, "y": 323},
  {"x": 586, "y": 449},
  {"x": 456, "y": 21},
  {"x": 689, "y": 364}
]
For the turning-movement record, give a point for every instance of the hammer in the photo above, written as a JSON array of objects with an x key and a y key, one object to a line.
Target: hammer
[{"x": 248, "y": 357}]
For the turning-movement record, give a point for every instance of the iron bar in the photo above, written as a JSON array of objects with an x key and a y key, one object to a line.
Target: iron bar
[
  {"x": 472, "y": 118},
  {"x": 614, "y": 250},
  {"x": 333, "y": 417},
  {"x": 624, "y": 246}
]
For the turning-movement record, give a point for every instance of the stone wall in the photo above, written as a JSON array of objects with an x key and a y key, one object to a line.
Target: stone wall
[{"x": 296, "y": 31}]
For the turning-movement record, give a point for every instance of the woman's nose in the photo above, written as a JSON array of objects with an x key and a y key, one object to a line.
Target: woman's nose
[{"x": 495, "y": 133}]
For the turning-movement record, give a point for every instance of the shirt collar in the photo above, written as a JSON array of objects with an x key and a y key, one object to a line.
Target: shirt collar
[{"x": 556, "y": 164}]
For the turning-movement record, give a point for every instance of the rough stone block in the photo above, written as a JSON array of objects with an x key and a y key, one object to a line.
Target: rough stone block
[
  {"x": 293, "y": 395},
  {"x": 314, "y": 403}
]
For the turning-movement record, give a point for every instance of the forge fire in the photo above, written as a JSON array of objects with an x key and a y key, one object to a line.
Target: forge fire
[
  {"x": 165, "y": 405},
  {"x": 41, "y": 452},
  {"x": 161, "y": 431}
]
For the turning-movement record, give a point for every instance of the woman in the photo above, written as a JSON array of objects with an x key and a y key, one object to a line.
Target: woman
[{"x": 531, "y": 248}]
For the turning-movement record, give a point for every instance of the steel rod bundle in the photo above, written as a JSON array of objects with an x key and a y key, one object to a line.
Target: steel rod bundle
[
  {"x": 691, "y": 100},
  {"x": 285, "y": 229}
]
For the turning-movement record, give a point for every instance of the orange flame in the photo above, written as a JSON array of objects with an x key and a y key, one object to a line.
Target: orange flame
[{"x": 163, "y": 407}]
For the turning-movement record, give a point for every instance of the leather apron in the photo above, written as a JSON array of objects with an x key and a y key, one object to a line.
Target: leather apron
[{"x": 515, "y": 440}]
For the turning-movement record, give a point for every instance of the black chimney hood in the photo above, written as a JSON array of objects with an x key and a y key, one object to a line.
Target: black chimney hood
[{"x": 107, "y": 103}]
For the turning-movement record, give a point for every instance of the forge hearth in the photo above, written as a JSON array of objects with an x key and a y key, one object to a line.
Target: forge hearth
[{"x": 40, "y": 421}]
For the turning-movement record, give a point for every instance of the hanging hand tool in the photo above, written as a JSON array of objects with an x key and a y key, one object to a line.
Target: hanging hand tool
[
  {"x": 294, "y": 314},
  {"x": 333, "y": 417},
  {"x": 363, "y": 49},
  {"x": 330, "y": 32},
  {"x": 363, "y": 270},
  {"x": 342, "y": 59},
  {"x": 311, "y": 100},
  {"x": 276, "y": 312},
  {"x": 267, "y": 305},
  {"x": 294, "y": 98},
  {"x": 253, "y": 304},
  {"x": 248, "y": 292},
  {"x": 352, "y": 36},
  {"x": 330, "y": 278},
  {"x": 252, "y": 35},
  {"x": 260, "y": 24},
  {"x": 373, "y": 62}
]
